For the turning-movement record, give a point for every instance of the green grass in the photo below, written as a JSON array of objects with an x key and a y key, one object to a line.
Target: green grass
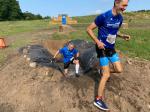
[
  {"x": 138, "y": 46},
  {"x": 14, "y": 27},
  {"x": 79, "y": 34},
  {"x": 85, "y": 19},
  {"x": 3, "y": 56}
]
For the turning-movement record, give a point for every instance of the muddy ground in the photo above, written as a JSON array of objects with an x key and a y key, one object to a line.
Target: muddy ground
[{"x": 44, "y": 89}]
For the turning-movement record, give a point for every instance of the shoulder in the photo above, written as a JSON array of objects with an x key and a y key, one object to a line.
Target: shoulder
[
  {"x": 63, "y": 49},
  {"x": 99, "y": 19},
  {"x": 101, "y": 15},
  {"x": 107, "y": 13},
  {"x": 75, "y": 50}
]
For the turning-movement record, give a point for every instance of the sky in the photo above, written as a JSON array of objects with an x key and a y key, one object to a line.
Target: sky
[{"x": 76, "y": 7}]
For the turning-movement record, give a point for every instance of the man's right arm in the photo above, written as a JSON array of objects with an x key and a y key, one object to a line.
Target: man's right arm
[{"x": 90, "y": 29}]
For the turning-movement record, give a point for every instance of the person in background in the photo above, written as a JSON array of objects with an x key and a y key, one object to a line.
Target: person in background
[{"x": 70, "y": 56}]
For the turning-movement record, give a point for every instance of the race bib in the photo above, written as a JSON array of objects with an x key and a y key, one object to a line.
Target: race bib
[{"x": 111, "y": 39}]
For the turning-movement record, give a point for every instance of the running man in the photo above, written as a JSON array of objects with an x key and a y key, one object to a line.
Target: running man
[
  {"x": 70, "y": 56},
  {"x": 108, "y": 25}
]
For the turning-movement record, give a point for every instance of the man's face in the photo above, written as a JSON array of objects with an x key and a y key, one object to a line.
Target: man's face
[
  {"x": 71, "y": 47},
  {"x": 121, "y": 7}
]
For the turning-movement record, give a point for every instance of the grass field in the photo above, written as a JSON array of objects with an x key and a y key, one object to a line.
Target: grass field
[
  {"x": 139, "y": 29},
  {"x": 13, "y": 27}
]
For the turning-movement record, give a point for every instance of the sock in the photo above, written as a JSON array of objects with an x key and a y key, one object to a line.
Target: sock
[
  {"x": 99, "y": 97},
  {"x": 77, "y": 68}
]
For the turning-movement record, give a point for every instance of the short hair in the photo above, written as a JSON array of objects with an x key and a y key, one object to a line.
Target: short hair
[
  {"x": 71, "y": 43},
  {"x": 118, "y": 1}
]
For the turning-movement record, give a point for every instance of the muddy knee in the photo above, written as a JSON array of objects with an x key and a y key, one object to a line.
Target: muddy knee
[
  {"x": 76, "y": 61},
  {"x": 106, "y": 75},
  {"x": 119, "y": 70}
]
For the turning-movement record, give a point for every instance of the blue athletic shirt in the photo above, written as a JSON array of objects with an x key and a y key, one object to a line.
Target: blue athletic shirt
[
  {"x": 67, "y": 54},
  {"x": 108, "y": 26}
]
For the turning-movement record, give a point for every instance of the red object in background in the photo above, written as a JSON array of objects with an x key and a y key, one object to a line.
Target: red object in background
[{"x": 2, "y": 43}]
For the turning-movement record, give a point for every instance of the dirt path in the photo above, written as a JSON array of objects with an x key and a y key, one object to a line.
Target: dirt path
[{"x": 26, "y": 89}]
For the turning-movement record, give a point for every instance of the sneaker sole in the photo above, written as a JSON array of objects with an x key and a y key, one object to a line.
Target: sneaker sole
[{"x": 100, "y": 107}]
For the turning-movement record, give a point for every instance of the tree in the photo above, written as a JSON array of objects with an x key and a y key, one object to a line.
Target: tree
[
  {"x": 47, "y": 17},
  {"x": 10, "y": 10},
  {"x": 29, "y": 16},
  {"x": 15, "y": 11}
]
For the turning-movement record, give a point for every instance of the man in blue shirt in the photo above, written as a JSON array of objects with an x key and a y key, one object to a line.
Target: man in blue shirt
[
  {"x": 70, "y": 56},
  {"x": 108, "y": 25}
]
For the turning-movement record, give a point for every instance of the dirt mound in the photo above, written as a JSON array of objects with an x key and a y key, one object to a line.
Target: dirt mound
[
  {"x": 53, "y": 45},
  {"x": 27, "y": 89},
  {"x": 43, "y": 89}
]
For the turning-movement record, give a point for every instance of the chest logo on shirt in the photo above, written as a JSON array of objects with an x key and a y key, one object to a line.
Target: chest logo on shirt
[
  {"x": 68, "y": 53},
  {"x": 113, "y": 25}
]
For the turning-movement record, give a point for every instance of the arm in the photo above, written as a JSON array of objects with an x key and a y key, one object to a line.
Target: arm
[
  {"x": 123, "y": 36},
  {"x": 90, "y": 32},
  {"x": 56, "y": 54},
  {"x": 77, "y": 55}
]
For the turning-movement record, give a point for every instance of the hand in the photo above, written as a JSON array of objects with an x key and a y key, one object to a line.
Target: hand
[
  {"x": 100, "y": 45},
  {"x": 77, "y": 58},
  {"x": 126, "y": 37},
  {"x": 53, "y": 59}
]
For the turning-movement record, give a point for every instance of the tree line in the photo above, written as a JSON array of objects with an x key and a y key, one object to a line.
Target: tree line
[
  {"x": 10, "y": 10},
  {"x": 142, "y": 11}
]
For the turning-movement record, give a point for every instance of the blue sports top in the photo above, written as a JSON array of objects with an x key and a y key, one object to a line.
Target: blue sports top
[
  {"x": 108, "y": 26},
  {"x": 67, "y": 54}
]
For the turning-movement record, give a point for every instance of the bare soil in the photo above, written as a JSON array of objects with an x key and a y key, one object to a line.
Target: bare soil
[{"x": 44, "y": 89}]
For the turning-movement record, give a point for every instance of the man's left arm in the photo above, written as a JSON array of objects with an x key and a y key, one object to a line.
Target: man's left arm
[{"x": 123, "y": 36}]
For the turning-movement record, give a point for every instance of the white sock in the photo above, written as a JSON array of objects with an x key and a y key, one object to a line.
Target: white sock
[{"x": 77, "y": 68}]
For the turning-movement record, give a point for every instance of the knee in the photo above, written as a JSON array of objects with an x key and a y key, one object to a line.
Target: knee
[
  {"x": 77, "y": 62},
  {"x": 106, "y": 75},
  {"x": 119, "y": 70}
]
